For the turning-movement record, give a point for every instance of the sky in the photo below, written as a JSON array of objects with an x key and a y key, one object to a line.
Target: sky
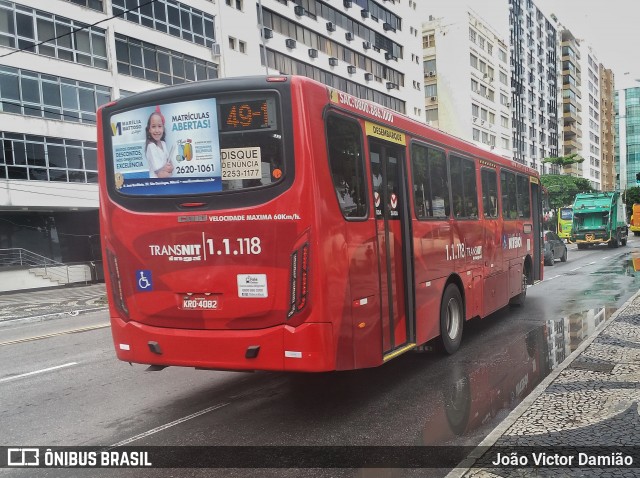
[{"x": 610, "y": 27}]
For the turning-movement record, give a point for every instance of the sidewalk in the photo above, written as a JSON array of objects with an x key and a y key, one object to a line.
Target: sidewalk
[
  {"x": 58, "y": 301},
  {"x": 591, "y": 400}
]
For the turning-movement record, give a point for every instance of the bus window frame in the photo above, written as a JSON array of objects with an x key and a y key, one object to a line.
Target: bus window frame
[
  {"x": 474, "y": 162},
  {"x": 210, "y": 201},
  {"x": 364, "y": 157},
  {"x": 498, "y": 198},
  {"x": 427, "y": 145}
]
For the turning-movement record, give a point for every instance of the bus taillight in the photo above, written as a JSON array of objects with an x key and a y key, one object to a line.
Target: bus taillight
[
  {"x": 116, "y": 284},
  {"x": 299, "y": 279}
]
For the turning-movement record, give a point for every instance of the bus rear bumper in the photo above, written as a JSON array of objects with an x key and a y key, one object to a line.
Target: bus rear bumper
[{"x": 306, "y": 348}]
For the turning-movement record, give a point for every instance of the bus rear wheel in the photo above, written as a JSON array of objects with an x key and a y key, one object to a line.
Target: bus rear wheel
[{"x": 451, "y": 319}]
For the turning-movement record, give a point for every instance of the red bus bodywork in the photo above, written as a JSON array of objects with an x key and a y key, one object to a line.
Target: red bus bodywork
[{"x": 333, "y": 293}]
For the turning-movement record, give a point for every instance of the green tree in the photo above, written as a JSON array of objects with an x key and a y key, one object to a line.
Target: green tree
[
  {"x": 563, "y": 188},
  {"x": 564, "y": 160},
  {"x": 631, "y": 196}
]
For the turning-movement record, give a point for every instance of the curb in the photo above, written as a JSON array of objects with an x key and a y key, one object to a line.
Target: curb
[
  {"x": 465, "y": 465},
  {"x": 71, "y": 313}
]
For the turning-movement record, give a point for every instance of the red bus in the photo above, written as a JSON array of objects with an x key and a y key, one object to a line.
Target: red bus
[{"x": 273, "y": 223}]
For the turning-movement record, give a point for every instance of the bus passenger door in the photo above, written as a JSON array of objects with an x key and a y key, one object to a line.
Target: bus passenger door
[{"x": 392, "y": 231}]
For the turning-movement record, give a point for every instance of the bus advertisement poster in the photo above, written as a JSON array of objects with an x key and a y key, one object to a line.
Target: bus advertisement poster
[{"x": 170, "y": 148}]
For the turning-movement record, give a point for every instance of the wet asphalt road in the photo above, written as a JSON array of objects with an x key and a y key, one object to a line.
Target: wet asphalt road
[{"x": 86, "y": 397}]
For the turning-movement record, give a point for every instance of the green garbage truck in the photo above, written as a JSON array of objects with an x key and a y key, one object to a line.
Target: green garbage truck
[{"x": 599, "y": 218}]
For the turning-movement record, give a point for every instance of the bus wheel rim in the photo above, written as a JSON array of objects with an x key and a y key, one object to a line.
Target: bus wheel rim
[{"x": 453, "y": 318}]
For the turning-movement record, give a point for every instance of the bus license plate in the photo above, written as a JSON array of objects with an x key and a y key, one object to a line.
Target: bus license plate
[{"x": 192, "y": 302}]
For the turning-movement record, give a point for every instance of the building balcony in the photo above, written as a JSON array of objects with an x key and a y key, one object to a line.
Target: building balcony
[
  {"x": 569, "y": 117},
  {"x": 570, "y": 129},
  {"x": 572, "y": 142}
]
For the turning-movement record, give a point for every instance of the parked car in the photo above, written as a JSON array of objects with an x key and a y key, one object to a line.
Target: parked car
[{"x": 554, "y": 248}]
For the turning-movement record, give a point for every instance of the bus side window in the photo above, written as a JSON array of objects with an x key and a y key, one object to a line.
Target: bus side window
[
  {"x": 489, "y": 193},
  {"x": 430, "y": 182},
  {"x": 344, "y": 142},
  {"x": 509, "y": 195}
]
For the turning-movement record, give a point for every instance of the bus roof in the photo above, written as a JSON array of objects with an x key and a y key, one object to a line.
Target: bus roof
[{"x": 365, "y": 108}]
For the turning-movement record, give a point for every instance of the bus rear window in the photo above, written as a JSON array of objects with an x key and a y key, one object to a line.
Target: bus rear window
[
  {"x": 566, "y": 213},
  {"x": 201, "y": 146}
]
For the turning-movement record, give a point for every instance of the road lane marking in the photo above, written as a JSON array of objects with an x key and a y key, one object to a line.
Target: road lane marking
[
  {"x": 554, "y": 277},
  {"x": 38, "y": 371},
  {"x": 168, "y": 425},
  {"x": 591, "y": 263},
  {"x": 571, "y": 270},
  {"x": 55, "y": 334}
]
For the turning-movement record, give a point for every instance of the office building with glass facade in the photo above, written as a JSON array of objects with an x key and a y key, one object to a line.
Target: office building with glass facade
[{"x": 627, "y": 141}]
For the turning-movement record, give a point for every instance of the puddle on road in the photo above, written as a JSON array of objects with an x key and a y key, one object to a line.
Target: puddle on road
[
  {"x": 482, "y": 393},
  {"x": 475, "y": 397}
]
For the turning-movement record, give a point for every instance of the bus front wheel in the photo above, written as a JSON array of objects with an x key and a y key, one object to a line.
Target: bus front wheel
[{"x": 451, "y": 319}]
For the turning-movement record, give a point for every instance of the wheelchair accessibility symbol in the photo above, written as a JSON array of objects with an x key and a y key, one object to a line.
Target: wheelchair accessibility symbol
[{"x": 143, "y": 280}]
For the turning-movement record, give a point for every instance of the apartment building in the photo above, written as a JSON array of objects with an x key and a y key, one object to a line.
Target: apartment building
[
  {"x": 61, "y": 59},
  {"x": 534, "y": 62},
  {"x": 591, "y": 144},
  {"x": 572, "y": 124},
  {"x": 607, "y": 131},
  {"x": 467, "y": 79}
]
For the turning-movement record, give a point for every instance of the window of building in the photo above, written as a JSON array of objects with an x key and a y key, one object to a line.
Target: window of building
[
  {"x": 475, "y": 110},
  {"x": 313, "y": 39},
  {"x": 45, "y": 96},
  {"x": 473, "y": 60},
  {"x": 148, "y": 61},
  {"x": 472, "y": 35},
  {"x": 43, "y": 158},
  {"x": 431, "y": 90},
  {"x": 431, "y": 114},
  {"x": 288, "y": 65},
  {"x": 93, "y": 4},
  {"x": 242, "y": 46},
  {"x": 18, "y": 27},
  {"x": 429, "y": 66},
  {"x": 428, "y": 40},
  {"x": 172, "y": 17}
]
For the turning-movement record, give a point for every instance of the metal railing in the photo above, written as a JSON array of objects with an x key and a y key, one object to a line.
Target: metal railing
[
  {"x": 42, "y": 266},
  {"x": 17, "y": 256}
]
